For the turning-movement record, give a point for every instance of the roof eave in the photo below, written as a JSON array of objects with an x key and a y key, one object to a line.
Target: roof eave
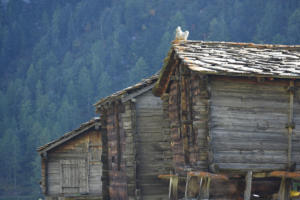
[
  {"x": 164, "y": 77},
  {"x": 125, "y": 94},
  {"x": 63, "y": 139}
]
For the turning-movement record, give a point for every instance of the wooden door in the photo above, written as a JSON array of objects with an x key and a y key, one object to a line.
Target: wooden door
[{"x": 73, "y": 176}]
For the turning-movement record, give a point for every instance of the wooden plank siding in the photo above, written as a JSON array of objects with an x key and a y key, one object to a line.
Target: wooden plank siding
[
  {"x": 233, "y": 109},
  {"x": 237, "y": 124},
  {"x": 153, "y": 148},
  {"x": 296, "y": 131},
  {"x": 248, "y": 124},
  {"x": 75, "y": 167},
  {"x": 137, "y": 149}
]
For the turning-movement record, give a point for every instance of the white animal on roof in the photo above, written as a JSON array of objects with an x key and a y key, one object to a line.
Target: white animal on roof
[{"x": 181, "y": 35}]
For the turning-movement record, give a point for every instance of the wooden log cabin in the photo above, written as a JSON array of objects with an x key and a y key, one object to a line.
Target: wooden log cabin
[
  {"x": 138, "y": 142},
  {"x": 234, "y": 112},
  {"x": 72, "y": 166}
]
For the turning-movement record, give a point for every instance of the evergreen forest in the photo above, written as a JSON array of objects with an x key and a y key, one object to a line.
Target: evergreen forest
[{"x": 58, "y": 57}]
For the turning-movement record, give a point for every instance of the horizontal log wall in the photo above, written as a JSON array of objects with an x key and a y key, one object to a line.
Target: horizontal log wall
[
  {"x": 153, "y": 147},
  {"x": 296, "y": 132},
  {"x": 248, "y": 124}
]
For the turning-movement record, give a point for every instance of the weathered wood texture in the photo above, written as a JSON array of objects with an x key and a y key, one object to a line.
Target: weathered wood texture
[
  {"x": 104, "y": 157},
  {"x": 175, "y": 123},
  {"x": 199, "y": 143},
  {"x": 138, "y": 147},
  {"x": 75, "y": 167},
  {"x": 233, "y": 108},
  {"x": 248, "y": 124},
  {"x": 296, "y": 131},
  {"x": 129, "y": 155},
  {"x": 116, "y": 149},
  {"x": 44, "y": 170},
  {"x": 189, "y": 115},
  {"x": 237, "y": 125},
  {"x": 152, "y": 146}
]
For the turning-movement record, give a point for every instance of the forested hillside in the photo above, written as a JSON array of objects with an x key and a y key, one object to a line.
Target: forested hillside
[{"x": 58, "y": 57}]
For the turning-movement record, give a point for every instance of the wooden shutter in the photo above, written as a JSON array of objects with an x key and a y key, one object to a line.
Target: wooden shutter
[{"x": 73, "y": 176}]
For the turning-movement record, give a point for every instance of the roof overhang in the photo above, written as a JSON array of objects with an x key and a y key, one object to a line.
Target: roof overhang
[
  {"x": 95, "y": 123},
  {"x": 198, "y": 56},
  {"x": 128, "y": 93}
]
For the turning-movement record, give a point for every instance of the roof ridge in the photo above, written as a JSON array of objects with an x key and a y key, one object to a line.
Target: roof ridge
[
  {"x": 240, "y": 44},
  {"x": 143, "y": 82}
]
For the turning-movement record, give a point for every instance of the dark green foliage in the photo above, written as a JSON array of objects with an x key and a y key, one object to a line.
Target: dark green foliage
[{"x": 58, "y": 57}]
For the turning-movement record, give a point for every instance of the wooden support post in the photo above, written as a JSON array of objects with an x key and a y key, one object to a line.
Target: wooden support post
[
  {"x": 173, "y": 194},
  {"x": 248, "y": 180},
  {"x": 188, "y": 178},
  {"x": 200, "y": 186},
  {"x": 284, "y": 190},
  {"x": 170, "y": 187},
  {"x": 175, "y": 186},
  {"x": 204, "y": 188}
]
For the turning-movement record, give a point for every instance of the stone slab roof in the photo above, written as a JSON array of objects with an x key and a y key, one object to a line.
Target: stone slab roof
[
  {"x": 240, "y": 59},
  {"x": 232, "y": 59}
]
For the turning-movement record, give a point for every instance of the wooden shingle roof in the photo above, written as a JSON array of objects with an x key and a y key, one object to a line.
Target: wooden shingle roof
[
  {"x": 233, "y": 59},
  {"x": 95, "y": 122}
]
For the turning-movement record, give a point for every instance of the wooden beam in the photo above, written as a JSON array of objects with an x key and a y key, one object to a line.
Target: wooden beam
[
  {"x": 168, "y": 176},
  {"x": 204, "y": 188},
  {"x": 209, "y": 175},
  {"x": 167, "y": 70},
  {"x": 284, "y": 189},
  {"x": 63, "y": 140},
  {"x": 188, "y": 178},
  {"x": 139, "y": 92},
  {"x": 284, "y": 174},
  {"x": 117, "y": 131},
  {"x": 200, "y": 186},
  {"x": 184, "y": 113},
  {"x": 173, "y": 187},
  {"x": 279, "y": 174},
  {"x": 290, "y": 122},
  {"x": 248, "y": 180}
]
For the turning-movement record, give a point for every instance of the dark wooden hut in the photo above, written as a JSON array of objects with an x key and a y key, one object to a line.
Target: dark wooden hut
[
  {"x": 234, "y": 110},
  {"x": 72, "y": 166},
  {"x": 138, "y": 142}
]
